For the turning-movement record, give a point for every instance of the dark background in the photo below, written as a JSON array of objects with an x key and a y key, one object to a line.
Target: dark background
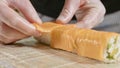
[
  {"x": 111, "y": 5},
  {"x": 53, "y": 7}
]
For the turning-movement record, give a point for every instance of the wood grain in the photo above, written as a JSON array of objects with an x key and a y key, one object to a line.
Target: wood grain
[{"x": 30, "y": 54}]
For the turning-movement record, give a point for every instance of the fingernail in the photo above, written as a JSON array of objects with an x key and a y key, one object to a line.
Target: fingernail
[
  {"x": 38, "y": 21},
  {"x": 59, "y": 21},
  {"x": 31, "y": 26},
  {"x": 37, "y": 33}
]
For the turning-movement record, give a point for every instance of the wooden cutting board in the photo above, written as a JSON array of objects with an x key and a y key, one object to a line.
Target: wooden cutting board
[{"x": 30, "y": 54}]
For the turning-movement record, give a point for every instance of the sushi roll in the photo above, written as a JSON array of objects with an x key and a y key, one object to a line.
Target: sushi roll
[{"x": 99, "y": 45}]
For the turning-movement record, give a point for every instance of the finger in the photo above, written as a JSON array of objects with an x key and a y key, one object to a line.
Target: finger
[
  {"x": 10, "y": 33},
  {"x": 27, "y": 10},
  {"x": 3, "y": 38},
  {"x": 90, "y": 14},
  {"x": 68, "y": 11},
  {"x": 14, "y": 20}
]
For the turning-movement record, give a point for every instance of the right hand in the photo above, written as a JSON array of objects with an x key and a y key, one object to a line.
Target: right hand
[
  {"x": 13, "y": 26},
  {"x": 89, "y": 13}
]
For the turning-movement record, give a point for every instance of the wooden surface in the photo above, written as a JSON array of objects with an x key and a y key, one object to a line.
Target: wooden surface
[{"x": 31, "y": 54}]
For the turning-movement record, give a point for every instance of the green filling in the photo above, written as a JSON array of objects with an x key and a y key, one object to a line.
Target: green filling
[
  {"x": 110, "y": 57},
  {"x": 115, "y": 40},
  {"x": 114, "y": 52},
  {"x": 109, "y": 46}
]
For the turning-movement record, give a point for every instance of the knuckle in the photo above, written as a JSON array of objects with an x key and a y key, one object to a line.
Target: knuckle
[
  {"x": 18, "y": 2},
  {"x": 67, "y": 12},
  {"x": 15, "y": 22},
  {"x": 104, "y": 10},
  {"x": 12, "y": 1}
]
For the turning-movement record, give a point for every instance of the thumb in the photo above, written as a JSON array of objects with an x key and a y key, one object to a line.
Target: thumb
[{"x": 68, "y": 11}]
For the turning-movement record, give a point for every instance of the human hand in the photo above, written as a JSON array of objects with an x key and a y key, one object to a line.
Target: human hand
[
  {"x": 13, "y": 26},
  {"x": 88, "y": 12}
]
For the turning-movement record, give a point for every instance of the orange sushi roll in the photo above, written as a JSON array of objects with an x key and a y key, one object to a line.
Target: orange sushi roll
[{"x": 99, "y": 45}]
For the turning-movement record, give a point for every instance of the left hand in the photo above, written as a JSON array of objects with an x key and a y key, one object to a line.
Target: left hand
[
  {"x": 13, "y": 26},
  {"x": 88, "y": 12}
]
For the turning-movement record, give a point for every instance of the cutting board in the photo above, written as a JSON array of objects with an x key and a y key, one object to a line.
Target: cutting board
[{"x": 29, "y": 53}]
